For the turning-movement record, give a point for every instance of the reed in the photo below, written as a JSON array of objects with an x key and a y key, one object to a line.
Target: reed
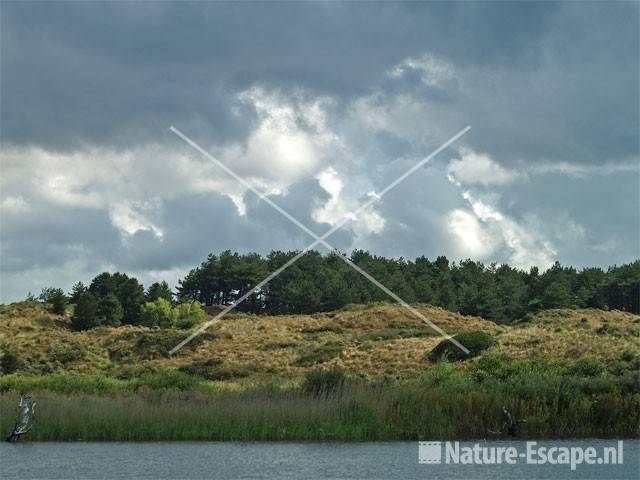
[{"x": 439, "y": 406}]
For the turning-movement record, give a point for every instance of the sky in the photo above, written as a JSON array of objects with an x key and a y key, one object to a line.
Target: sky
[{"x": 319, "y": 105}]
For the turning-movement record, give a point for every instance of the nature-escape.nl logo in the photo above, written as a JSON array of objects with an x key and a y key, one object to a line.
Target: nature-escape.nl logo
[{"x": 456, "y": 453}]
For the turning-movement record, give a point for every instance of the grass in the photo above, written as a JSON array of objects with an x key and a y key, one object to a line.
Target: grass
[
  {"x": 321, "y": 354},
  {"x": 360, "y": 373},
  {"x": 379, "y": 339},
  {"x": 445, "y": 404}
]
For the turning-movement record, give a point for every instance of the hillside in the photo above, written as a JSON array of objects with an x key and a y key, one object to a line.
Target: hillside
[{"x": 362, "y": 340}]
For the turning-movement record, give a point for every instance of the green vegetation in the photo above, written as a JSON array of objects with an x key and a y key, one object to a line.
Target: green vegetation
[
  {"x": 159, "y": 290},
  {"x": 214, "y": 369},
  {"x": 188, "y": 315},
  {"x": 85, "y": 313},
  {"x": 444, "y": 403},
  {"x": 56, "y": 298},
  {"x": 359, "y": 373},
  {"x": 158, "y": 313},
  {"x": 9, "y": 363},
  {"x": 317, "y": 283},
  {"x": 326, "y": 382},
  {"x": 475, "y": 341}
]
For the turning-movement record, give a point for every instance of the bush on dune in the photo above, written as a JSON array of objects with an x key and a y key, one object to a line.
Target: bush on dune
[{"x": 475, "y": 341}]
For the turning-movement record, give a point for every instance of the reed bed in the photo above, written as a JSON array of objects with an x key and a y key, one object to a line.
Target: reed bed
[{"x": 357, "y": 411}]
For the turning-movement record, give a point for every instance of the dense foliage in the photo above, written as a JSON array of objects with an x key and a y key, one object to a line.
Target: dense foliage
[
  {"x": 317, "y": 283},
  {"x": 322, "y": 283},
  {"x": 476, "y": 342},
  {"x": 55, "y": 297},
  {"x": 446, "y": 402}
]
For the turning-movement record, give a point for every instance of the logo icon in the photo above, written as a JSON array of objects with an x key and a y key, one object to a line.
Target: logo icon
[{"x": 430, "y": 452}]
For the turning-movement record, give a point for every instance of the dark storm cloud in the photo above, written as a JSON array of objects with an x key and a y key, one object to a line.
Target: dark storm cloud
[
  {"x": 50, "y": 235},
  {"x": 120, "y": 73}
]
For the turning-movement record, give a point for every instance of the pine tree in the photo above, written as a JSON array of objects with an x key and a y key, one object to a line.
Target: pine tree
[{"x": 85, "y": 314}]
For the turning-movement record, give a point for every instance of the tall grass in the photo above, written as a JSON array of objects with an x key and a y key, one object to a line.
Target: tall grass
[{"x": 443, "y": 405}]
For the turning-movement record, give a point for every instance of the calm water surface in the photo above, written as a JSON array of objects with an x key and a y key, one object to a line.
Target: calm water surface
[{"x": 281, "y": 461}]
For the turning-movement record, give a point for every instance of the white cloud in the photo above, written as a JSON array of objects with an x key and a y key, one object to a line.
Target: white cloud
[
  {"x": 403, "y": 115},
  {"x": 475, "y": 169},
  {"x": 435, "y": 71},
  {"x": 484, "y": 231},
  {"x": 580, "y": 171},
  {"x": 13, "y": 205},
  {"x": 130, "y": 218},
  {"x": 479, "y": 169},
  {"x": 471, "y": 237},
  {"x": 339, "y": 206},
  {"x": 290, "y": 142}
]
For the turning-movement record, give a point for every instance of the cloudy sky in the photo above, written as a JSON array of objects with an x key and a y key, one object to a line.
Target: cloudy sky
[{"x": 319, "y": 104}]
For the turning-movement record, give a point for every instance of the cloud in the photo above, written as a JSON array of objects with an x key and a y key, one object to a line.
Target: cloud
[
  {"x": 479, "y": 169},
  {"x": 323, "y": 103},
  {"x": 582, "y": 171},
  {"x": 289, "y": 141},
  {"x": 434, "y": 71},
  {"x": 337, "y": 208},
  {"x": 471, "y": 238},
  {"x": 524, "y": 248},
  {"x": 131, "y": 218}
]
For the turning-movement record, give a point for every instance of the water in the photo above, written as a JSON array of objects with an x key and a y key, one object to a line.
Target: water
[{"x": 282, "y": 461}]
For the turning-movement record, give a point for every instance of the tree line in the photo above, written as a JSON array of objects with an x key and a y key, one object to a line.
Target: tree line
[
  {"x": 318, "y": 283},
  {"x": 115, "y": 299}
]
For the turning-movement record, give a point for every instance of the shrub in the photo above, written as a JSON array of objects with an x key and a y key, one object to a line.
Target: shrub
[
  {"x": 323, "y": 381},
  {"x": 628, "y": 355},
  {"x": 9, "y": 363},
  {"x": 493, "y": 364},
  {"x": 587, "y": 367},
  {"x": 214, "y": 369},
  {"x": 189, "y": 315},
  {"x": 475, "y": 341},
  {"x": 67, "y": 353},
  {"x": 320, "y": 354},
  {"x": 159, "y": 313},
  {"x": 440, "y": 374},
  {"x": 158, "y": 344},
  {"x": 150, "y": 345}
]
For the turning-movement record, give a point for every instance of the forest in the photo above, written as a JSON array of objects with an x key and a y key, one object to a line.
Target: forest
[{"x": 318, "y": 283}]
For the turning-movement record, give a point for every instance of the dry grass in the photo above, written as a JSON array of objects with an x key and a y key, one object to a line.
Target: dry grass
[
  {"x": 378, "y": 339},
  {"x": 567, "y": 334}
]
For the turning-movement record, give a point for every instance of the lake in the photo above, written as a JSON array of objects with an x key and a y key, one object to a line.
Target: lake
[{"x": 285, "y": 461}]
